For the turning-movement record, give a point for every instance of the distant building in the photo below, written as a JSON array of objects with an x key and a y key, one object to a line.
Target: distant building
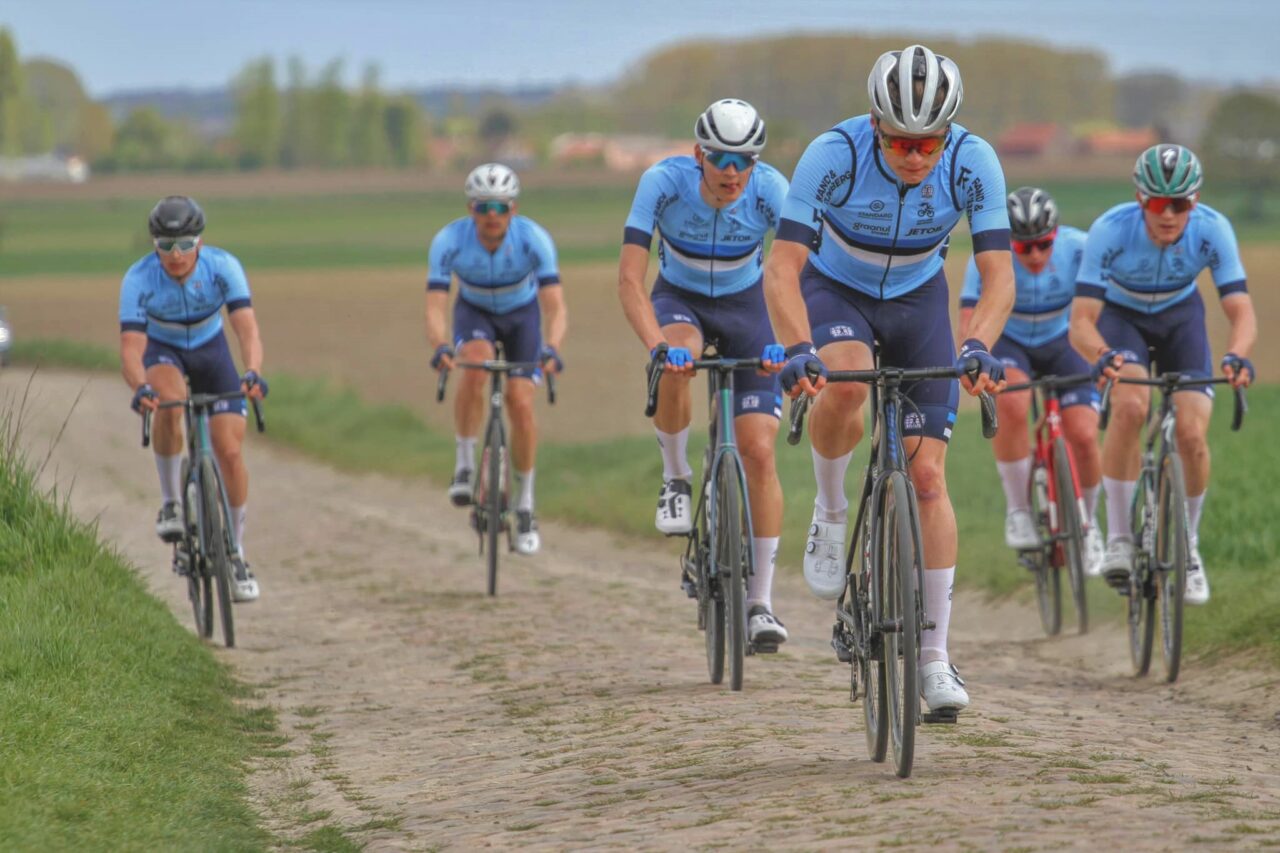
[
  {"x": 1129, "y": 141},
  {"x": 1034, "y": 140},
  {"x": 634, "y": 153},
  {"x": 44, "y": 167},
  {"x": 569, "y": 149}
]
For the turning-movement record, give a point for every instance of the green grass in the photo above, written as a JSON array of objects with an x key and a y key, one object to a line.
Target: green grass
[
  {"x": 610, "y": 484},
  {"x": 119, "y": 728},
  {"x": 105, "y": 236}
]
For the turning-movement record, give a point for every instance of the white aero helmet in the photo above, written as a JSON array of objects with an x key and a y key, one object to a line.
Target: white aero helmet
[
  {"x": 895, "y": 101},
  {"x": 492, "y": 181},
  {"x": 730, "y": 125}
]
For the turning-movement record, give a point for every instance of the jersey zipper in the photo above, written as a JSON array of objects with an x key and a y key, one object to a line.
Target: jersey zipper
[{"x": 897, "y": 226}]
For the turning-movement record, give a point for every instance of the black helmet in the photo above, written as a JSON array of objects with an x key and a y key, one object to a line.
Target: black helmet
[
  {"x": 176, "y": 216},
  {"x": 1032, "y": 213}
]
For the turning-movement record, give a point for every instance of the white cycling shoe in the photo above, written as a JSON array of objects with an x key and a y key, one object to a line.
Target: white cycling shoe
[
  {"x": 675, "y": 515},
  {"x": 1118, "y": 563},
  {"x": 1197, "y": 589},
  {"x": 764, "y": 627},
  {"x": 528, "y": 540},
  {"x": 244, "y": 586},
  {"x": 1093, "y": 552},
  {"x": 1020, "y": 531},
  {"x": 824, "y": 558},
  {"x": 942, "y": 688}
]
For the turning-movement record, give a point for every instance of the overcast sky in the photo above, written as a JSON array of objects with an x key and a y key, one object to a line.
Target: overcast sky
[{"x": 130, "y": 44}]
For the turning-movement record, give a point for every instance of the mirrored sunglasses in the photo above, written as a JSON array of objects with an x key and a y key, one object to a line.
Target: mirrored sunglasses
[
  {"x": 725, "y": 159},
  {"x": 904, "y": 145},
  {"x": 181, "y": 245},
  {"x": 483, "y": 207},
  {"x": 1024, "y": 247},
  {"x": 1159, "y": 204}
]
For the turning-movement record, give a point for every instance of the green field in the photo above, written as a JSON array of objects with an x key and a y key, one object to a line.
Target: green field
[{"x": 323, "y": 232}]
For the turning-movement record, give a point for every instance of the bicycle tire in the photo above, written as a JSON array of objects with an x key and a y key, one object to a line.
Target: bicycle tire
[
  {"x": 1172, "y": 553},
  {"x": 1142, "y": 603},
  {"x": 710, "y": 600},
  {"x": 218, "y": 561},
  {"x": 870, "y": 663},
  {"x": 900, "y": 606},
  {"x": 492, "y": 466},
  {"x": 1047, "y": 577},
  {"x": 199, "y": 588},
  {"x": 730, "y": 561},
  {"x": 1071, "y": 525}
]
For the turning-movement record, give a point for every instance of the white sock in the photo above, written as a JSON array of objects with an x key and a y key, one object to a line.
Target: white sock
[
  {"x": 465, "y": 453},
  {"x": 1194, "y": 507},
  {"x": 1119, "y": 503},
  {"x": 764, "y": 553},
  {"x": 832, "y": 505},
  {"x": 524, "y": 482},
  {"x": 1091, "y": 503},
  {"x": 674, "y": 446},
  {"x": 238, "y": 515},
  {"x": 170, "y": 470},
  {"x": 937, "y": 598},
  {"x": 1015, "y": 477}
]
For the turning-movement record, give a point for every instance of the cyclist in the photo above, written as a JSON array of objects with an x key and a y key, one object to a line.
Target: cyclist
[
  {"x": 507, "y": 280},
  {"x": 1035, "y": 343},
  {"x": 712, "y": 211},
  {"x": 1136, "y": 297},
  {"x": 858, "y": 258},
  {"x": 171, "y": 304}
]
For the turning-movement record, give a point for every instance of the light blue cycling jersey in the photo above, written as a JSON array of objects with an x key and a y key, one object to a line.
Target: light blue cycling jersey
[
  {"x": 1125, "y": 267},
  {"x": 877, "y": 235},
  {"x": 500, "y": 281},
  {"x": 709, "y": 251},
  {"x": 1042, "y": 308},
  {"x": 187, "y": 315}
]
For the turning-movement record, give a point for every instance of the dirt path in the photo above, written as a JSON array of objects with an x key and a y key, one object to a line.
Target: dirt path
[{"x": 573, "y": 710}]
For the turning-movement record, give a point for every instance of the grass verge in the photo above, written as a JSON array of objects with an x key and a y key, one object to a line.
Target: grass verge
[
  {"x": 611, "y": 484},
  {"x": 120, "y": 728}
]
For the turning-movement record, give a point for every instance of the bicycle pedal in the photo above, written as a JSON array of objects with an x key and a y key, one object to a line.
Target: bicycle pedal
[
  {"x": 942, "y": 716},
  {"x": 689, "y": 589},
  {"x": 844, "y": 654},
  {"x": 764, "y": 648}
]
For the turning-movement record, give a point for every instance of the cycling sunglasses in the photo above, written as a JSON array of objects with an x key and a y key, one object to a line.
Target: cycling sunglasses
[
  {"x": 181, "y": 245},
  {"x": 904, "y": 145},
  {"x": 483, "y": 207},
  {"x": 1024, "y": 247},
  {"x": 1159, "y": 204},
  {"x": 725, "y": 159}
]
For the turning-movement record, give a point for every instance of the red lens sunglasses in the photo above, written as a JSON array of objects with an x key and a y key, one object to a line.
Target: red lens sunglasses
[
  {"x": 1024, "y": 247},
  {"x": 1159, "y": 204}
]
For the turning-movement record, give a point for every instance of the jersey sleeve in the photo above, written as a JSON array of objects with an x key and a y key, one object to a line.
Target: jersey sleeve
[
  {"x": 133, "y": 305},
  {"x": 1221, "y": 254},
  {"x": 774, "y": 196},
  {"x": 1091, "y": 279},
  {"x": 440, "y": 261},
  {"x": 234, "y": 283},
  {"x": 972, "y": 284},
  {"x": 823, "y": 174},
  {"x": 543, "y": 247},
  {"x": 980, "y": 182},
  {"x": 653, "y": 194}
]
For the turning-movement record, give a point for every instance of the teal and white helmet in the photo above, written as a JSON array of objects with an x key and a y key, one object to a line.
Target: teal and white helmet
[{"x": 1169, "y": 171}]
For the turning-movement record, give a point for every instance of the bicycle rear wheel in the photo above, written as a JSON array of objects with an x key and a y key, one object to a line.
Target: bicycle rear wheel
[
  {"x": 216, "y": 550},
  {"x": 899, "y": 608},
  {"x": 729, "y": 505},
  {"x": 1142, "y": 602},
  {"x": 1071, "y": 528},
  {"x": 1172, "y": 554},
  {"x": 1043, "y": 567}
]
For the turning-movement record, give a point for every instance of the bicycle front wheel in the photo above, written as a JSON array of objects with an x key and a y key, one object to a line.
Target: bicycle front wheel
[
  {"x": 494, "y": 490},
  {"x": 1142, "y": 602},
  {"x": 199, "y": 584},
  {"x": 216, "y": 550},
  {"x": 867, "y": 650},
  {"x": 730, "y": 550},
  {"x": 899, "y": 607},
  {"x": 1172, "y": 553},
  {"x": 1071, "y": 530},
  {"x": 1044, "y": 567}
]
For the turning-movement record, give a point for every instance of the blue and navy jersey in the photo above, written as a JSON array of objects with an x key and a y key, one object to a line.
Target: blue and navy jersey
[
  {"x": 187, "y": 315},
  {"x": 1042, "y": 308},
  {"x": 1123, "y": 266},
  {"x": 709, "y": 251},
  {"x": 868, "y": 230},
  {"x": 500, "y": 281}
]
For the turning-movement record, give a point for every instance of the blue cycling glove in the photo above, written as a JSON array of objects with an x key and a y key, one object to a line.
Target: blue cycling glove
[
  {"x": 441, "y": 351},
  {"x": 774, "y": 353},
  {"x": 1238, "y": 363},
  {"x": 251, "y": 379},
  {"x": 802, "y": 362},
  {"x": 1107, "y": 359},
  {"x": 549, "y": 354},
  {"x": 676, "y": 356},
  {"x": 987, "y": 363},
  {"x": 144, "y": 392}
]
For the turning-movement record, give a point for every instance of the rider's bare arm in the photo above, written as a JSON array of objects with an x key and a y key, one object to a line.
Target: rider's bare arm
[
  {"x": 437, "y": 307},
  {"x": 1084, "y": 334},
  {"x": 245, "y": 324},
  {"x": 787, "y": 310},
  {"x": 1244, "y": 323},
  {"x": 966, "y": 318},
  {"x": 633, "y": 265},
  {"x": 551, "y": 303},
  {"x": 132, "y": 347},
  {"x": 992, "y": 311}
]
